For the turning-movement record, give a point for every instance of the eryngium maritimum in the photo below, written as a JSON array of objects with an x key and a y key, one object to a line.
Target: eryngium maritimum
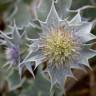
[
  {"x": 62, "y": 44},
  {"x": 15, "y": 49}
]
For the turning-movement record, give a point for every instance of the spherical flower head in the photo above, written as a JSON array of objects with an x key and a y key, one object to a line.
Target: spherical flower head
[
  {"x": 12, "y": 55},
  {"x": 59, "y": 46}
]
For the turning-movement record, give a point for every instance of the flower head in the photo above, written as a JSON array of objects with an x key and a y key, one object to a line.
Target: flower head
[
  {"x": 12, "y": 55},
  {"x": 59, "y": 46}
]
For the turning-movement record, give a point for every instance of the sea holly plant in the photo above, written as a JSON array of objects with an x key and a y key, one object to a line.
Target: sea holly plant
[
  {"x": 63, "y": 46},
  {"x": 16, "y": 49},
  {"x": 57, "y": 43}
]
